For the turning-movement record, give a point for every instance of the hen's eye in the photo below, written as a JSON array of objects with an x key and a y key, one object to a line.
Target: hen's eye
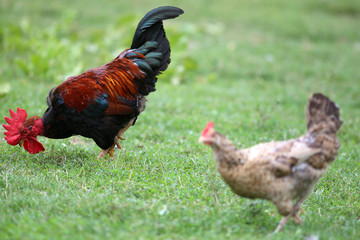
[{"x": 30, "y": 127}]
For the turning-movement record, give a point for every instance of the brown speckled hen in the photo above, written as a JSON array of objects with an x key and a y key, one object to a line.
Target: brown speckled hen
[{"x": 284, "y": 171}]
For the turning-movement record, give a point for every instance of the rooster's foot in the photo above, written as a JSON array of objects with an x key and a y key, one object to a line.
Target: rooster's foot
[
  {"x": 116, "y": 141},
  {"x": 109, "y": 151}
]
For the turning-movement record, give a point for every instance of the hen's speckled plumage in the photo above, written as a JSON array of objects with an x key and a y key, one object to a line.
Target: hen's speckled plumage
[{"x": 281, "y": 171}]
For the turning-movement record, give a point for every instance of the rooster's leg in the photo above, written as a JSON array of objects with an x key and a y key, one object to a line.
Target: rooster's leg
[
  {"x": 102, "y": 154},
  {"x": 121, "y": 132},
  {"x": 110, "y": 150},
  {"x": 116, "y": 141}
]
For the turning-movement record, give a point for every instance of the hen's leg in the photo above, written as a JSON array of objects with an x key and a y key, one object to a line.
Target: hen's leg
[
  {"x": 295, "y": 213},
  {"x": 281, "y": 224},
  {"x": 295, "y": 210},
  {"x": 285, "y": 208}
]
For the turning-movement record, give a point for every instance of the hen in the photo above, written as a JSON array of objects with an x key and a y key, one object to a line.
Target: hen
[
  {"x": 101, "y": 103},
  {"x": 281, "y": 171}
]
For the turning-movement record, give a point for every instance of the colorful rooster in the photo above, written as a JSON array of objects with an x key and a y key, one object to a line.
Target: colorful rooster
[{"x": 101, "y": 103}]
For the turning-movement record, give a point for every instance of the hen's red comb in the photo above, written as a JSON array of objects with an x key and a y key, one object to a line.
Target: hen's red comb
[
  {"x": 210, "y": 125},
  {"x": 15, "y": 122}
]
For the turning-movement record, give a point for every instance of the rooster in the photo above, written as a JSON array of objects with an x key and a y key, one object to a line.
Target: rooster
[
  {"x": 101, "y": 103},
  {"x": 281, "y": 171}
]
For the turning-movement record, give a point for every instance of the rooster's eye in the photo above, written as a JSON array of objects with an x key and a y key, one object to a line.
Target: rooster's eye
[{"x": 30, "y": 127}]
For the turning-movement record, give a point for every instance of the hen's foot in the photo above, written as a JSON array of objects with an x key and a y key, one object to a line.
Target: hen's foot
[
  {"x": 296, "y": 218},
  {"x": 295, "y": 214}
]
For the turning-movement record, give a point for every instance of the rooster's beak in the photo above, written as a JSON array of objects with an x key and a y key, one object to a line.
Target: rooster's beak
[{"x": 21, "y": 143}]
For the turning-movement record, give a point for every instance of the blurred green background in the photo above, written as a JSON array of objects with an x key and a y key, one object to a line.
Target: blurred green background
[{"x": 249, "y": 66}]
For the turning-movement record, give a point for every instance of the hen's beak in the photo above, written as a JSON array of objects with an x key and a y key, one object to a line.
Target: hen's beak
[
  {"x": 201, "y": 139},
  {"x": 205, "y": 140}
]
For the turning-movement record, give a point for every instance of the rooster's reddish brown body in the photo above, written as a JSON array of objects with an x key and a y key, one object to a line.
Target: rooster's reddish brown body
[{"x": 102, "y": 103}]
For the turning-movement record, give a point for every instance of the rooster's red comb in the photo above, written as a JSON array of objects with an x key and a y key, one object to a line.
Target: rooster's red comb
[
  {"x": 210, "y": 125},
  {"x": 15, "y": 122}
]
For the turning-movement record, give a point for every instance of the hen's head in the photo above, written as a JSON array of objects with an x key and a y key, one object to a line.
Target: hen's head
[
  {"x": 24, "y": 132},
  {"x": 207, "y": 136}
]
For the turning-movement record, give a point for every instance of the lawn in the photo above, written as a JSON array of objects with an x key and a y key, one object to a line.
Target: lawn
[{"x": 249, "y": 66}]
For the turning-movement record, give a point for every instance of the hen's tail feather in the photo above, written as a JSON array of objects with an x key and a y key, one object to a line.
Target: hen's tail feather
[
  {"x": 322, "y": 115},
  {"x": 150, "y": 40}
]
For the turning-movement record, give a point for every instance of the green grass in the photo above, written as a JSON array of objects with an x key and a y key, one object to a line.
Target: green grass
[{"x": 249, "y": 66}]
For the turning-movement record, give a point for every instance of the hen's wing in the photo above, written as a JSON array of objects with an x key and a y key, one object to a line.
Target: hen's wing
[{"x": 280, "y": 157}]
